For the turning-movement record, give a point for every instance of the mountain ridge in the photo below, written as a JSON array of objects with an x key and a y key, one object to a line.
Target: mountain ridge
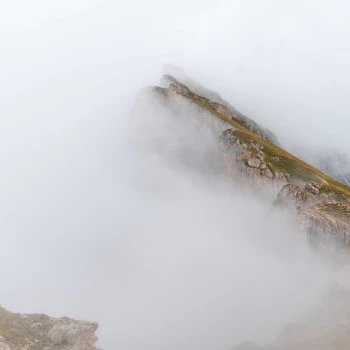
[
  {"x": 249, "y": 153},
  {"x": 242, "y": 133}
]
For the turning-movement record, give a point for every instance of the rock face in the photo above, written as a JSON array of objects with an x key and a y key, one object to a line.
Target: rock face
[
  {"x": 327, "y": 224},
  {"x": 247, "y": 161},
  {"x": 292, "y": 195},
  {"x": 41, "y": 332}
]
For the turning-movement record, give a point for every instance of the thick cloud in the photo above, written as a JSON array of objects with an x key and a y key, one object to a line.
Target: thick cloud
[{"x": 161, "y": 256}]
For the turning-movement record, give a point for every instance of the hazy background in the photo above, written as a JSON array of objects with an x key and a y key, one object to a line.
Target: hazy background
[{"x": 156, "y": 263}]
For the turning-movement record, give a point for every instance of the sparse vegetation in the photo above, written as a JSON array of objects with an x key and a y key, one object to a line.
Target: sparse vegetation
[
  {"x": 39, "y": 332},
  {"x": 19, "y": 330},
  {"x": 281, "y": 160}
]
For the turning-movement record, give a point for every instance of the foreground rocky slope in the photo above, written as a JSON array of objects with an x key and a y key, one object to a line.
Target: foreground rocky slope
[
  {"x": 41, "y": 332},
  {"x": 251, "y": 155}
]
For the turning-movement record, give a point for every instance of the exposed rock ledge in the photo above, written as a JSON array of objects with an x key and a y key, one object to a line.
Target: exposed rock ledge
[
  {"x": 292, "y": 195},
  {"x": 324, "y": 220},
  {"x": 247, "y": 157},
  {"x": 326, "y": 224},
  {"x": 41, "y": 332}
]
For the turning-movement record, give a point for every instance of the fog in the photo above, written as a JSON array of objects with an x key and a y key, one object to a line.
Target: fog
[{"x": 100, "y": 223}]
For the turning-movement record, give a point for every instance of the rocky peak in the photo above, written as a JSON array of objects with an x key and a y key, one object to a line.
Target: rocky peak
[
  {"x": 250, "y": 155},
  {"x": 222, "y": 108}
]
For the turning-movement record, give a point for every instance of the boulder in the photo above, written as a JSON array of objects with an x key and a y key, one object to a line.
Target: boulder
[
  {"x": 254, "y": 162},
  {"x": 312, "y": 187}
]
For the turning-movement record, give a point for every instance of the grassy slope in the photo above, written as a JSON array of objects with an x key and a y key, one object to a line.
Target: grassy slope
[{"x": 280, "y": 158}]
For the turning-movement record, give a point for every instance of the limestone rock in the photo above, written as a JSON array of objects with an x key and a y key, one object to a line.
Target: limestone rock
[
  {"x": 268, "y": 173},
  {"x": 293, "y": 195},
  {"x": 263, "y": 166},
  {"x": 245, "y": 161},
  {"x": 312, "y": 187},
  {"x": 4, "y": 346},
  {"x": 41, "y": 332},
  {"x": 254, "y": 162},
  {"x": 326, "y": 224}
]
